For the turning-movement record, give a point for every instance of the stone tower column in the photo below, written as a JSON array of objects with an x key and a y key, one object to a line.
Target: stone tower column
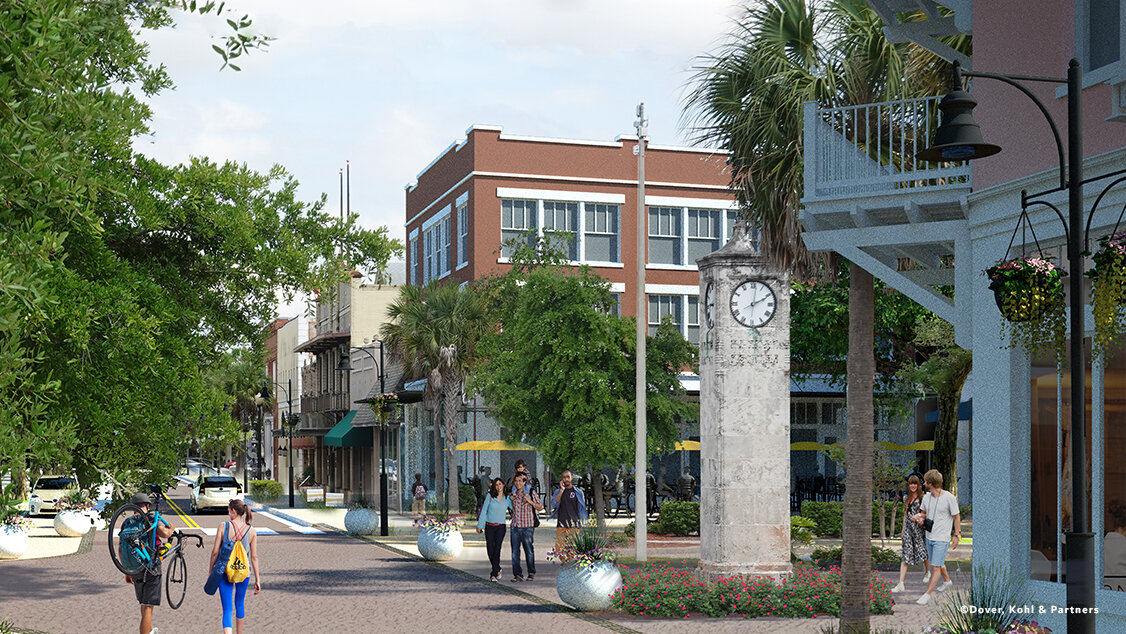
[{"x": 744, "y": 413}]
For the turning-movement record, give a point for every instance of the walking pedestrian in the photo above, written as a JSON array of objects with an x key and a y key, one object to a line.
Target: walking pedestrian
[
  {"x": 525, "y": 504},
  {"x": 418, "y": 504},
  {"x": 913, "y": 538},
  {"x": 570, "y": 510},
  {"x": 232, "y": 596},
  {"x": 146, "y": 585},
  {"x": 940, "y": 512},
  {"x": 491, "y": 521}
]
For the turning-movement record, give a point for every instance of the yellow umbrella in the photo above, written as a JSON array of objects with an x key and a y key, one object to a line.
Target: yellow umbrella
[
  {"x": 687, "y": 445},
  {"x": 493, "y": 445}
]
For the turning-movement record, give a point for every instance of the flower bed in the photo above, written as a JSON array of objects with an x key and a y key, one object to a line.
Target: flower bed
[{"x": 665, "y": 591}]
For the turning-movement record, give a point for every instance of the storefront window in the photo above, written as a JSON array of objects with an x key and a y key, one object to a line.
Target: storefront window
[
  {"x": 1114, "y": 472},
  {"x": 1050, "y": 482}
]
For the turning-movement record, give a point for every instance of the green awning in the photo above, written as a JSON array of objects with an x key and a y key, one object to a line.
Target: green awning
[{"x": 344, "y": 435}]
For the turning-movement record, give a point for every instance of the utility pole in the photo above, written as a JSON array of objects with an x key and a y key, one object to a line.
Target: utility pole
[{"x": 640, "y": 479}]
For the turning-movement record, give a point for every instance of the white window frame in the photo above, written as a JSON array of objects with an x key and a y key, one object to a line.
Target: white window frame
[
  {"x": 462, "y": 234},
  {"x": 574, "y": 227},
  {"x": 529, "y": 217},
  {"x": 611, "y": 213}
]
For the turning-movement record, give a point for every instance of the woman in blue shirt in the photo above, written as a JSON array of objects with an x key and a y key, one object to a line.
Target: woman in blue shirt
[{"x": 490, "y": 520}]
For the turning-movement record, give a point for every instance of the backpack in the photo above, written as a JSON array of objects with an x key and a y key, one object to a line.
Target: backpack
[
  {"x": 237, "y": 567},
  {"x": 420, "y": 491},
  {"x": 129, "y": 530}
]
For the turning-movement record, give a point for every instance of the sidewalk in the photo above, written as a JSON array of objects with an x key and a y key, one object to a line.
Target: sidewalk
[
  {"x": 44, "y": 542},
  {"x": 473, "y": 566}
]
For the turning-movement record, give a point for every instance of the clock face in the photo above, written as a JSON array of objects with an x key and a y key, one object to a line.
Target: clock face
[
  {"x": 752, "y": 303},
  {"x": 709, "y": 305}
]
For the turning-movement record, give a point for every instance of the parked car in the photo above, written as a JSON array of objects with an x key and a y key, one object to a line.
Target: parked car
[
  {"x": 214, "y": 492},
  {"x": 195, "y": 468},
  {"x": 47, "y": 491}
]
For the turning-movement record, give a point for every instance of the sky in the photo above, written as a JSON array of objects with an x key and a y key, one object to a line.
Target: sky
[{"x": 388, "y": 85}]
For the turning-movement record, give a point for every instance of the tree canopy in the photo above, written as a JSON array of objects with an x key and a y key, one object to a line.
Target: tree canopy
[{"x": 122, "y": 280}]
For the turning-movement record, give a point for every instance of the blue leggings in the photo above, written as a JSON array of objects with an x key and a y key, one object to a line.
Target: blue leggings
[{"x": 235, "y": 603}]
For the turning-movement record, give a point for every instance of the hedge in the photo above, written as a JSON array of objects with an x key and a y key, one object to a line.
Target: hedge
[
  {"x": 677, "y": 518},
  {"x": 832, "y": 555},
  {"x": 265, "y": 490},
  {"x": 828, "y": 516}
]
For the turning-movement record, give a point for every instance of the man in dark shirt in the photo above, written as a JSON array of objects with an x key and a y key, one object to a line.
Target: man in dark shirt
[{"x": 570, "y": 509}]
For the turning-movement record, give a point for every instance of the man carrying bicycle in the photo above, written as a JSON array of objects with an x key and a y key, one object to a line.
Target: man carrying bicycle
[{"x": 147, "y": 583}]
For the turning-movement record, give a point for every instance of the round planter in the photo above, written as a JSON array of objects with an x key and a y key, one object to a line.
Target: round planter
[
  {"x": 438, "y": 545},
  {"x": 13, "y": 542},
  {"x": 588, "y": 589},
  {"x": 361, "y": 521},
  {"x": 72, "y": 523},
  {"x": 1026, "y": 304}
]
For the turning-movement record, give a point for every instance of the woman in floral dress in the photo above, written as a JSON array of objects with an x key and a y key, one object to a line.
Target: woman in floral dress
[{"x": 914, "y": 546}]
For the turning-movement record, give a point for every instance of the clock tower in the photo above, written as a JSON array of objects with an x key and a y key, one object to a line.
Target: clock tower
[{"x": 744, "y": 413}]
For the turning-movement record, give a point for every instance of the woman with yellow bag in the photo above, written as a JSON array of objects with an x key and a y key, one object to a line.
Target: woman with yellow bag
[{"x": 232, "y": 584}]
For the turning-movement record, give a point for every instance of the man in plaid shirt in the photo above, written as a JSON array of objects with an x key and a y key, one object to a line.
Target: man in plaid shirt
[{"x": 524, "y": 507}]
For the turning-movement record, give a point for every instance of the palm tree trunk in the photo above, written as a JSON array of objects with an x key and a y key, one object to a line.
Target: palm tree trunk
[
  {"x": 856, "y": 557},
  {"x": 439, "y": 482},
  {"x": 946, "y": 433},
  {"x": 450, "y": 399}
]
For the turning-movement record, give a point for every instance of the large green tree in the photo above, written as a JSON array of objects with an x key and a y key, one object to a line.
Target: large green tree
[
  {"x": 748, "y": 99},
  {"x": 434, "y": 330},
  {"x": 127, "y": 278},
  {"x": 559, "y": 369}
]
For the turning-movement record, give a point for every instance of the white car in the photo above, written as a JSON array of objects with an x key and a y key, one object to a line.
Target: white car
[
  {"x": 47, "y": 491},
  {"x": 214, "y": 492}
]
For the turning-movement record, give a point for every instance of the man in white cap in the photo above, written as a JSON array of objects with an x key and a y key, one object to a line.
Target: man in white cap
[{"x": 147, "y": 584}]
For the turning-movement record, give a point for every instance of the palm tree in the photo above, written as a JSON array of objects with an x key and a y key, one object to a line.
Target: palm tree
[
  {"x": 433, "y": 330},
  {"x": 748, "y": 99}
]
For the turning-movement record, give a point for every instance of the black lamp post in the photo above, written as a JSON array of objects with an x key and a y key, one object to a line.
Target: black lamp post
[
  {"x": 958, "y": 139},
  {"x": 288, "y": 426},
  {"x": 345, "y": 365}
]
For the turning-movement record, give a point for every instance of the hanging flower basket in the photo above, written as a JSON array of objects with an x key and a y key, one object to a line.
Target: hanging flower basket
[
  {"x": 383, "y": 402},
  {"x": 1108, "y": 290},
  {"x": 1029, "y": 294}
]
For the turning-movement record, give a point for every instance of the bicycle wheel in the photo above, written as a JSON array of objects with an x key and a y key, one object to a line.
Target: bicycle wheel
[
  {"x": 130, "y": 540},
  {"x": 176, "y": 580}
]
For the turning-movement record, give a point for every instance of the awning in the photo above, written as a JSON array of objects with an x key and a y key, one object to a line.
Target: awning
[
  {"x": 493, "y": 445},
  {"x": 345, "y": 435}
]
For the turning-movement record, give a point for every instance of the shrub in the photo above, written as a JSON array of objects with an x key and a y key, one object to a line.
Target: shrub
[
  {"x": 265, "y": 490},
  {"x": 828, "y": 516},
  {"x": 833, "y": 555},
  {"x": 994, "y": 590},
  {"x": 801, "y": 529},
  {"x": 677, "y": 518},
  {"x": 629, "y": 529},
  {"x": 664, "y": 591},
  {"x": 466, "y": 498},
  {"x": 965, "y": 510}
]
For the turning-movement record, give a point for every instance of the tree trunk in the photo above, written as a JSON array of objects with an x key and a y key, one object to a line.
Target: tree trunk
[
  {"x": 891, "y": 522},
  {"x": 856, "y": 557},
  {"x": 882, "y": 513},
  {"x": 946, "y": 433},
  {"x": 599, "y": 501},
  {"x": 451, "y": 396},
  {"x": 439, "y": 481}
]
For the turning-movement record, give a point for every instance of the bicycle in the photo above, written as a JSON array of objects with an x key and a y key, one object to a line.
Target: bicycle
[{"x": 133, "y": 547}]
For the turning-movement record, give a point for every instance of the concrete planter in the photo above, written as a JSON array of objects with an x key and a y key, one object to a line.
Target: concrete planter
[
  {"x": 72, "y": 523},
  {"x": 361, "y": 521},
  {"x": 588, "y": 589},
  {"x": 438, "y": 545},
  {"x": 13, "y": 542}
]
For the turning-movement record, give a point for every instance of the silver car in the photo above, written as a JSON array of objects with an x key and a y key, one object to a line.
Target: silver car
[{"x": 214, "y": 492}]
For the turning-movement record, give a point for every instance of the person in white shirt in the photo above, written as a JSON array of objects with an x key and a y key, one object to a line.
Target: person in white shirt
[{"x": 941, "y": 507}]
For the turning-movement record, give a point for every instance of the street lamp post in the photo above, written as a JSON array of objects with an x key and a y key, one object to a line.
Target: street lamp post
[
  {"x": 958, "y": 139},
  {"x": 288, "y": 426},
  {"x": 345, "y": 365}
]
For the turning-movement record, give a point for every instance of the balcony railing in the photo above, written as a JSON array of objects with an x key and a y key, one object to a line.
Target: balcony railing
[
  {"x": 871, "y": 150},
  {"x": 325, "y": 403}
]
